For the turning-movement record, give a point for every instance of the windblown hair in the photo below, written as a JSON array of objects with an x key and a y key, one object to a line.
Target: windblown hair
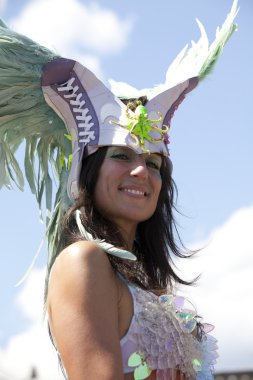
[{"x": 156, "y": 237}]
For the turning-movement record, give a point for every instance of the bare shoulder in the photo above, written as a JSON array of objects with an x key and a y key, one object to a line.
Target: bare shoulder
[
  {"x": 85, "y": 252},
  {"x": 82, "y": 256},
  {"x": 83, "y": 312},
  {"x": 80, "y": 267}
]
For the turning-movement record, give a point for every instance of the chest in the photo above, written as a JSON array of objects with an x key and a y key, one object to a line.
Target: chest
[{"x": 158, "y": 336}]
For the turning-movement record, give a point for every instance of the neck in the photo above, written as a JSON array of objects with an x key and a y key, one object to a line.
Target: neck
[{"x": 128, "y": 233}]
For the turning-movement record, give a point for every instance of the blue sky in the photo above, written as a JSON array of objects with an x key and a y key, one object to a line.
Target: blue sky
[{"x": 211, "y": 148}]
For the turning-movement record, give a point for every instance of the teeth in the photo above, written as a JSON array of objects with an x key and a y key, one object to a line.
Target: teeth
[{"x": 134, "y": 191}]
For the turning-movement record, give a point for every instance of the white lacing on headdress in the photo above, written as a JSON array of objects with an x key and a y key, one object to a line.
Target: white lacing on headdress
[{"x": 84, "y": 123}]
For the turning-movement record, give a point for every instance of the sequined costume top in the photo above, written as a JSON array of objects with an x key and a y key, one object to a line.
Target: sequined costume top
[{"x": 165, "y": 335}]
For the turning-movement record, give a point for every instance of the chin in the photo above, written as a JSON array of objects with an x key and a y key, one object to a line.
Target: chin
[{"x": 138, "y": 217}]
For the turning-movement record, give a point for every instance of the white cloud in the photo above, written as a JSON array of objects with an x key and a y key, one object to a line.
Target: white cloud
[
  {"x": 32, "y": 348},
  {"x": 30, "y": 299},
  {"x": 28, "y": 350},
  {"x": 223, "y": 297},
  {"x": 224, "y": 294},
  {"x": 71, "y": 28},
  {"x": 3, "y": 4},
  {"x": 90, "y": 61},
  {"x": 74, "y": 30}
]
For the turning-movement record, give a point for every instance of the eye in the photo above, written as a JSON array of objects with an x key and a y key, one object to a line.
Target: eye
[
  {"x": 154, "y": 164},
  {"x": 120, "y": 153}
]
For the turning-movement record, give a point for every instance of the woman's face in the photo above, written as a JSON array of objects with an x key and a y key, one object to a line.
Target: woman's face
[{"x": 128, "y": 186}]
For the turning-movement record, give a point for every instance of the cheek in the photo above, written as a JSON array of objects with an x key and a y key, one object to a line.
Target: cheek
[
  {"x": 102, "y": 194},
  {"x": 157, "y": 186},
  {"x": 157, "y": 183}
]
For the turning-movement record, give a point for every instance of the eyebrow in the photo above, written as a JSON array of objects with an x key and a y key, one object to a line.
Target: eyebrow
[{"x": 158, "y": 155}]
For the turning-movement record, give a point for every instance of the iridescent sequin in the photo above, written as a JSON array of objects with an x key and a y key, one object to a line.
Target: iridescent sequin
[{"x": 163, "y": 330}]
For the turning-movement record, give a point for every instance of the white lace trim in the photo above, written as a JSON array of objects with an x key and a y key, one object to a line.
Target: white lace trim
[{"x": 83, "y": 120}]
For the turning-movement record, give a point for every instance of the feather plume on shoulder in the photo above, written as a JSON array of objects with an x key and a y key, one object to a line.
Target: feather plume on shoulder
[{"x": 109, "y": 248}]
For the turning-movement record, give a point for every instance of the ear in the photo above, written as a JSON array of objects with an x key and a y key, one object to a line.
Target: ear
[{"x": 168, "y": 101}]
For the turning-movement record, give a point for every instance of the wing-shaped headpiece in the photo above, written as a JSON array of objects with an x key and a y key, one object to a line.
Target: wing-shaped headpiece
[
  {"x": 95, "y": 117},
  {"x": 62, "y": 113}
]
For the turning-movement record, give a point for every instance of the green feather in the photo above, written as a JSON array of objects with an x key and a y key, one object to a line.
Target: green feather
[
  {"x": 29, "y": 162},
  {"x": 26, "y": 118},
  {"x": 10, "y": 169},
  {"x": 196, "y": 60},
  {"x": 222, "y": 36}
]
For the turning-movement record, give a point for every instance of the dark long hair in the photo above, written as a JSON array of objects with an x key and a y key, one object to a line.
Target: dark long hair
[{"x": 157, "y": 239}]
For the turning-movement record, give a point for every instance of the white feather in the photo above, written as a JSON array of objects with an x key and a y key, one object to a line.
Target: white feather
[
  {"x": 109, "y": 248},
  {"x": 189, "y": 63}
]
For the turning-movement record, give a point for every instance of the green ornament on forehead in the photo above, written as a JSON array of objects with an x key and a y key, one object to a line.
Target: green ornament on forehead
[
  {"x": 140, "y": 126},
  {"x": 141, "y": 111}
]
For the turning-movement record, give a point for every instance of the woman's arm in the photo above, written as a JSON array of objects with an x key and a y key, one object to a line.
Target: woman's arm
[{"x": 83, "y": 313}]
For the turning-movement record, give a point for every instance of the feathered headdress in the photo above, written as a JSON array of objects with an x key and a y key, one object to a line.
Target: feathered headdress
[{"x": 62, "y": 112}]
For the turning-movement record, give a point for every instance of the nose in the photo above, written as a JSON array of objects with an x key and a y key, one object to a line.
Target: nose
[{"x": 139, "y": 168}]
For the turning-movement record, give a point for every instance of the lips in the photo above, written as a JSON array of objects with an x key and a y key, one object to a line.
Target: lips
[{"x": 134, "y": 191}]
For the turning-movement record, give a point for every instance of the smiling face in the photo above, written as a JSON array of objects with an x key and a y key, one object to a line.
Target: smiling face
[{"x": 128, "y": 186}]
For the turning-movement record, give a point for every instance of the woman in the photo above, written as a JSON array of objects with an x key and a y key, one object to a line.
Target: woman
[
  {"x": 96, "y": 298},
  {"x": 111, "y": 318},
  {"x": 92, "y": 297},
  {"x": 110, "y": 289}
]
